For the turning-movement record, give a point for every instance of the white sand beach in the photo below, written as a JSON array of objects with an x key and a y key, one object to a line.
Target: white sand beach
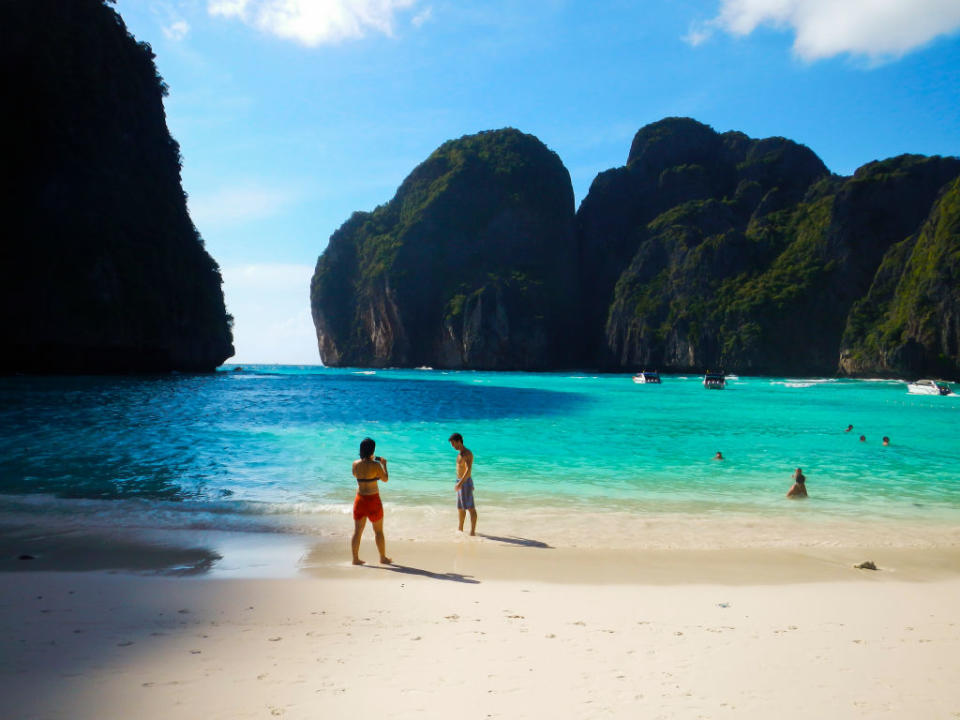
[{"x": 492, "y": 627}]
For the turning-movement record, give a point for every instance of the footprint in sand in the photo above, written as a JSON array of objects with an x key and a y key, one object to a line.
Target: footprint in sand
[
  {"x": 125, "y": 643},
  {"x": 276, "y": 639}
]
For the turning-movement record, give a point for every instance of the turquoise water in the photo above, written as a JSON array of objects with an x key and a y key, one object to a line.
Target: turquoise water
[{"x": 231, "y": 448}]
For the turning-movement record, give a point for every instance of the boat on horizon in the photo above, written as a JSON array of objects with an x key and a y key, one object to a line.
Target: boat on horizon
[
  {"x": 929, "y": 387},
  {"x": 714, "y": 381},
  {"x": 647, "y": 377}
]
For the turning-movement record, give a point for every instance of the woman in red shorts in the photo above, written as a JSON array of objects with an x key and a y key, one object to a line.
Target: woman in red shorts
[{"x": 368, "y": 470}]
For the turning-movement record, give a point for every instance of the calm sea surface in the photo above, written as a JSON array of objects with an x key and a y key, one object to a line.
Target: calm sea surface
[{"x": 271, "y": 447}]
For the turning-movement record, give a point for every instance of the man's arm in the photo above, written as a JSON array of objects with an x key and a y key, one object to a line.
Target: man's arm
[{"x": 467, "y": 458}]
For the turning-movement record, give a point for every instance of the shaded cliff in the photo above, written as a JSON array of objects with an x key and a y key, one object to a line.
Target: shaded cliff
[
  {"x": 706, "y": 250},
  {"x": 102, "y": 269},
  {"x": 471, "y": 264},
  {"x": 909, "y": 321},
  {"x": 717, "y": 250}
]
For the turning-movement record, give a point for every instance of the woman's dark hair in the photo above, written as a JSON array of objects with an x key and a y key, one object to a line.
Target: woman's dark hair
[{"x": 367, "y": 446}]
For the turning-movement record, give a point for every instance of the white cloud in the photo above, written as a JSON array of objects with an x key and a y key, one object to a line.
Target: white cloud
[
  {"x": 876, "y": 29},
  {"x": 422, "y": 17},
  {"x": 240, "y": 203},
  {"x": 698, "y": 35},
  {"x": 176, "y": 31},
  {"x": 314, "y": 22},
  {"x": 270, "y": 304}
]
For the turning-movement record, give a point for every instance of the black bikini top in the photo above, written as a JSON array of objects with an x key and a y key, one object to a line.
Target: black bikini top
[{"x": 367, "y": 479}]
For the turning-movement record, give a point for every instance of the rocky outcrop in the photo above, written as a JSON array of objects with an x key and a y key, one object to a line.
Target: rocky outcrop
[
  {"x": 706, "y": 250},
  {"x": 909, "y": 321},
  {"x": 661, "y": 237},
  {"x": 471, "y": 264},
  {"x": 101, "y": 268},
  {"x": 738, "y": 253}
]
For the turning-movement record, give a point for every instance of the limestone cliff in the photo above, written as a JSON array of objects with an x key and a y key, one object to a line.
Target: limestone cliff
[
  {"x": 471, "y": 264},
  {"x": 101, "y": 268},
  {"x": 722, "y": 251},
  {"x": 909, "y": 321},
  {"x": 706, "y": 250}
]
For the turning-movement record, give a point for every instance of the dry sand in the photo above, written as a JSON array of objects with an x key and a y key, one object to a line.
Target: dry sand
[{"x": 490, "y": 627}]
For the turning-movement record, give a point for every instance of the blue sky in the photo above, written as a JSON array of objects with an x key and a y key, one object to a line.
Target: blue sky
[{"x": 292, "y": 114}]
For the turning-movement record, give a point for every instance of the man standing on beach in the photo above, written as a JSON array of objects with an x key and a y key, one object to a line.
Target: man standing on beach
[{"x": 464, "y": 486}]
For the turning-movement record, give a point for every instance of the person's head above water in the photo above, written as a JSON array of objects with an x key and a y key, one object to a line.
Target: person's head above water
[
  {"x": 886, "y": 440},
  {"x": 718, "y": 456},
  {"x": 367, "y": 448},
  {"x": 849, "y": 428},
  {"x": 863, "y": 438}
]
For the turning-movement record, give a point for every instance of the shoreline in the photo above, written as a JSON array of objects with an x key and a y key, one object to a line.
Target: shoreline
[{"x": 495, "y": 555}]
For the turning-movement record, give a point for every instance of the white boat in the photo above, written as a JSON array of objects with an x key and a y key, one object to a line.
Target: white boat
[
  {"x": 647, "y": 377},
  {"x": 929, "y": 387},
  {"x": 714, "y": 381}
]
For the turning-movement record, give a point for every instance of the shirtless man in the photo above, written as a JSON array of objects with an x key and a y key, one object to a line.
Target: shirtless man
[{"x": 464, "y": 486}]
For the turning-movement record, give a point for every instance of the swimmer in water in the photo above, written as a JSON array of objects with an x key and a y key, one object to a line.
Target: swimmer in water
[{"x": 799, "y": 488}]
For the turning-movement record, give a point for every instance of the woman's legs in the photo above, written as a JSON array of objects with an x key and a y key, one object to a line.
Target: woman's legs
[
  {"x": 358, "y": 526},
  {"x": 381, "y": 541}
]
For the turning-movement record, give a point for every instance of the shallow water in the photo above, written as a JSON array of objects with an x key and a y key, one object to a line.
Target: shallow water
[{"x": 270, "y": 448}]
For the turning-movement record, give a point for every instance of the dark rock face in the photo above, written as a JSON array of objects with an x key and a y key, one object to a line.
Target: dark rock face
[
  {"x": 471, "y": 264},
  {"x": 712, "y": 251},
  {"x": 661, "y": 237},
  {"x": 706, "y": 251},
  {"x": 909, "y": 321},
  {"x": 101, "y": 269}
]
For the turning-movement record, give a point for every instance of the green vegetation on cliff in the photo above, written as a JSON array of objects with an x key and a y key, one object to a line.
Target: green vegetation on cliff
[
  {"x": 705, "y": 250},
  {"x": 102, "y": 269},
  {"x": 909, "y": 321},
  {"x": 471, "y": 264},
  {"x": 739, "y": 253}
]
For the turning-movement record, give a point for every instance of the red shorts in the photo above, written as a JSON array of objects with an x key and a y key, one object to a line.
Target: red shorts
[{"x": 368, "y": 506}]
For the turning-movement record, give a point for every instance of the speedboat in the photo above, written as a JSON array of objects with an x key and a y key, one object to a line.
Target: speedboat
[
  {"x": 929, "y": 387},
  {"x": 647, "y": 377},
  {"x": 714, "y": 381}
]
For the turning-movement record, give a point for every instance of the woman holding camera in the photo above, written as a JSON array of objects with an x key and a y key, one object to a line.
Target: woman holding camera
[{"x": 368, "y": 470}]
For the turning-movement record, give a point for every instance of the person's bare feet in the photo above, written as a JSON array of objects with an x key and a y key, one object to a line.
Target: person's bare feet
[
  {"x": 358, "y": 561},
  {"x": 386, "y": 561}
]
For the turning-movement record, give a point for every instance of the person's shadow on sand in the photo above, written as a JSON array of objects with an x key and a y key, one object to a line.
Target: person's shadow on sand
[
  {"x": 524, "y": 542},
  {"x": 407, "y": 570}
]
